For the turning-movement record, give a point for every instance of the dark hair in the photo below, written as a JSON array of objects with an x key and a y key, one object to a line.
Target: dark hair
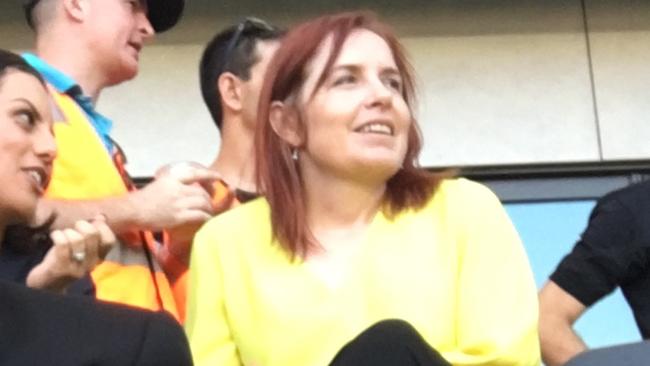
[
  {"x": 11, "y": 61},
  {"x": 277, "y": 174},
  {"x": 23, "y": 239},
  {"x": 240, "y": 59}
]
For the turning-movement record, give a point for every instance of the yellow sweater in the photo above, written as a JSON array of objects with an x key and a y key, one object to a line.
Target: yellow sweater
[{"x": 455, "y": 270}]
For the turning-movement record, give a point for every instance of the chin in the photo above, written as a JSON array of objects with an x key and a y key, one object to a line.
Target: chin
[
  {"x": 126, "y": 72},
  {"x": 379, "y": 169},
  {"x": 130, "y": 74},
  {"x": 383, "y": 161}
]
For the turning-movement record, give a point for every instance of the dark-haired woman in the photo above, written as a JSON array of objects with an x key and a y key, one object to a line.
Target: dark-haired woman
[
  {"x": 355, "y": 256},
  {"x": 41, "y": 328}
]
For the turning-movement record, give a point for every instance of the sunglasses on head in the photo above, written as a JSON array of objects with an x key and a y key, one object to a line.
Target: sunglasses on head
[{"x": 246, "y": 26}]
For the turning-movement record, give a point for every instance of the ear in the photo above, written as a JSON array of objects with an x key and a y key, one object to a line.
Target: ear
[
  {"x": 285, "y": 122},
  {"x": 229, "y": 87},
  {"x": 76, "y": 9}
]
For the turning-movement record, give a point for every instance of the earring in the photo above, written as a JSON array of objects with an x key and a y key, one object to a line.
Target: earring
[{"x": 294, "y": 153}]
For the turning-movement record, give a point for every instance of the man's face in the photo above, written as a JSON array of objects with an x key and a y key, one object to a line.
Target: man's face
[
  {"x": 251, "y": 89},
  {"x": 118, "y": 30}
]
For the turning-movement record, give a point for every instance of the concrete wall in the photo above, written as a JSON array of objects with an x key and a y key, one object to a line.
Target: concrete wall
[{"x": 501, "y": 82}]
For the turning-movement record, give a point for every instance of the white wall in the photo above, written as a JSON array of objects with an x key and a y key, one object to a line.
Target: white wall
[
  {"x": 502, "y": 82},
  {"x": 620, "y": 39},
  {"x": 160, "y": 116}
]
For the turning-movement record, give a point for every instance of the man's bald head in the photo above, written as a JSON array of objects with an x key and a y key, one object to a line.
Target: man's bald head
[{"x": 42, "y": 13}]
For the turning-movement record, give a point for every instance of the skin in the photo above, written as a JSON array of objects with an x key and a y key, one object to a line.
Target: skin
[
  {"x": 119, "y": 29},
  {"x": 240, "y": 99},
  {"x": 27, "y": 145},
  {"x": 344, "y": 168},
  {"x": 558, "y": 311},
  {"x": 361, "y": 88},
  {"x": 27, "y": 149},
  {"x": 97, "y": 43},
  {"x": 251, "y": 88},
  {"x": 59, "y": 268}
]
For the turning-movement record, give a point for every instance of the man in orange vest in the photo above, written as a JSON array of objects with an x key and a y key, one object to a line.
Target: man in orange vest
[
  {"x": 232, "y": 72},
  {"x": 82, "y": 47}
]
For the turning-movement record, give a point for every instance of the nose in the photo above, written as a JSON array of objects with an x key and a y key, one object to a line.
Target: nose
[
  {"x": 379, "y": 94},
  {"x": 44, "y": 144},
  {"x": 144, "y": 26}
]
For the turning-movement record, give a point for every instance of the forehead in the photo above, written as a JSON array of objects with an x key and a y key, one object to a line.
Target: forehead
[
  {"x": 18, "y": 85},
  {"x": 266, "y": 48},
  {"x": 363, "y": 46},
  {"x": 15, "y": 83}
]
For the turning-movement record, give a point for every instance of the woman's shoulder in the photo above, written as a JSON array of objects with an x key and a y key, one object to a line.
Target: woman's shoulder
[
  {"x": 250, "y": 214},
  {"x": 247, "y": 224},
  {"x": 463, "y": 191}
]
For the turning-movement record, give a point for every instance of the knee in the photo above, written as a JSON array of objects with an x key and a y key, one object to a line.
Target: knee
[{"x": 392, "y": 329}]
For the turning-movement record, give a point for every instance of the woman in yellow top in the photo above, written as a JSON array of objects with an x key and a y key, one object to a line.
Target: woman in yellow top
[{"x": 351, "y": 233}]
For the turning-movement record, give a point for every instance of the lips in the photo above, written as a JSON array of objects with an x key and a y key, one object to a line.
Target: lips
[
  {"x": 376, "y": 127},
  {"x": 39, "y": 177},
  {"x": 136, "y": 49},
  {"x": 136, "y": 46}
]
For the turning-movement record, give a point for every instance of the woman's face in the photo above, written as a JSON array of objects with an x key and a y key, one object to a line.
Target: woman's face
[
  {"x": 27, "y": 145},
  {"x": 357, "y": 122}
]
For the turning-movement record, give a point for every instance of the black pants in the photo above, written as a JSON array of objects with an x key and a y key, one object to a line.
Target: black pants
[
  {"x": 632, "y": 354},
  {"x": 389, "y": 343}
]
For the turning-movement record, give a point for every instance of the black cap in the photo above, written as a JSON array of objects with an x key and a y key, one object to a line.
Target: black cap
[{"x": 162, "y": 14}]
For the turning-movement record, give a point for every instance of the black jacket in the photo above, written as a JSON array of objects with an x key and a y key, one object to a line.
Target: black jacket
[{"x": 39, "y": 328}]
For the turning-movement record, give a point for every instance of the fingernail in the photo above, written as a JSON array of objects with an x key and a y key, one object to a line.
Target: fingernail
[{"x": 100, "y": 217}]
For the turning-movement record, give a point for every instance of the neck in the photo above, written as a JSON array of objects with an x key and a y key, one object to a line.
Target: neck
[
  {"x": 74, "y": 61},
  {"x": 235, "y": 161},
  {"x": 335, "y": 203}
]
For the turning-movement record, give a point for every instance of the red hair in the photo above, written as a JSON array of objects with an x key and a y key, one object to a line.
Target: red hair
[{"x": 277, "y": 173}]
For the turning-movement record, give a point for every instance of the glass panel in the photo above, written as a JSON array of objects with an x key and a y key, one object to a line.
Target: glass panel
[{"x": 549, "y": 230}]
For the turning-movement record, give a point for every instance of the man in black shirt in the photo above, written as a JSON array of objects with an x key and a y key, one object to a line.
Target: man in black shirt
[{"x": 613, "y": 251}]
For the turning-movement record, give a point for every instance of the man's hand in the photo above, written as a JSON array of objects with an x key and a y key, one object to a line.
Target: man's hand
[
  {"x": 176, "y": 197},
  {"x": 76, "y": 251}
]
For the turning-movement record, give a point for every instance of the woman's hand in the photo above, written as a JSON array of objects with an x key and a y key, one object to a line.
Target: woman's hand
[{"x": 76, "y": 251}]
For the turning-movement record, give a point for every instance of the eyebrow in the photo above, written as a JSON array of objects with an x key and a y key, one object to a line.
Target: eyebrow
[
  {"x": 352, "y": 67},
  {"x": 357, "y": 67},
  {"x": 31, "y": 107}
]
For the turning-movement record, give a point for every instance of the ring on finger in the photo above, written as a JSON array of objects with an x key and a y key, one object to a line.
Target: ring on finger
[{"x": 79, "y": 256}]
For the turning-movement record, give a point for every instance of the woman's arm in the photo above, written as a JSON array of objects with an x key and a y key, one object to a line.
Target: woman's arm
[
  {"x": 206, "y": 325},
  {"x": 497, "y": 315}
]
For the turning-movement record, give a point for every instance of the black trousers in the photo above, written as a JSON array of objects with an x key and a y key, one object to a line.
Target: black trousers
[
  {"x": 632, "y": 354},
  {"x": 389, "y": 343}
]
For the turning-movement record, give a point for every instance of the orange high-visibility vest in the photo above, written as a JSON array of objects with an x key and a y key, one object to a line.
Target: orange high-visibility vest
[
  {"x": 83, "y": 169},
  {"x": 223, "y": 199}
]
